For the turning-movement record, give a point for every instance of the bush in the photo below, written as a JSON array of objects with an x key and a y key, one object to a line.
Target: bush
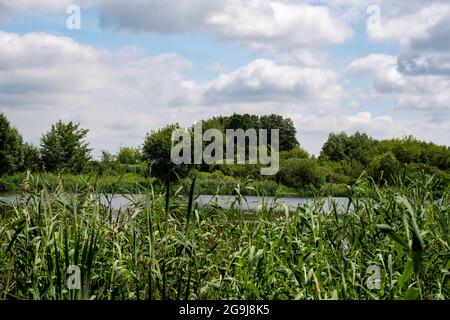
[
  {"x": 384, "y": 168},
  {"x": 301, "y": 173},
  {"x": 157, "y": 152}
]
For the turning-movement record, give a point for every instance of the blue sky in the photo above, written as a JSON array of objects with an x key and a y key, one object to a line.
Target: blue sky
[{"x": 134, "y": 66}]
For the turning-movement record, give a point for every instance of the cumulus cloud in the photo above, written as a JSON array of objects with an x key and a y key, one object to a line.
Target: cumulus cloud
[
  {"x": 263, "y": 23},
  {"x": 425, "y": 92},
  {"x": 160, "y": 16},
  {"x": 265, "y": 80},
  {"x": 49, "y": 77},
  {"x": 122, "y": 94},
  {"x": 414, "y": 28},
  {"x": 259, "y": 23}
]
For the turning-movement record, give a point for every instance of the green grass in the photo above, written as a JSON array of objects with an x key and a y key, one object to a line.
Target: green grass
[
  {"x": 218, "y": 183},
  {"x": 207, "y": 184},
  {"x": 132, "y": 183},
  {"x": 165, "y": 247}
]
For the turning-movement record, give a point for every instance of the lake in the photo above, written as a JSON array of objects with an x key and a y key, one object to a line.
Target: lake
[{"x": 250, "y": 203}]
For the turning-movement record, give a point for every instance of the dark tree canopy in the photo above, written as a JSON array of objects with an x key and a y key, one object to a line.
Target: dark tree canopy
[
  {"x": 288, "y": 138},
  {"x": 31, "y": 158},
  {"x": 11, "y": 152},
  {"x": 157, "y": 152},
  {"x": 341, "y": 147},
  {"x": 130, "y": 156},
  {"x": 410, "y": 150},
  {"x": 384, "y": 167},
  {"x": 64, "y": 148}
]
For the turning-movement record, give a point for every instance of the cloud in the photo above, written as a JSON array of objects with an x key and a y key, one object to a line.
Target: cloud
[
  {"x": 314, "y": 129},
  {"x": 424, "y": 64},
  {"x": 419, "y": 91},
  {"x": 263, "y": 23},
  {"x": 414, "y": 28},
  {"x": 259, "y": 23},
  {"x": 159, "y": 16},
  {"x": 265, "y": 80},
  {"x": 44, "y": 78},
  {"x": 121, "y": 94}
]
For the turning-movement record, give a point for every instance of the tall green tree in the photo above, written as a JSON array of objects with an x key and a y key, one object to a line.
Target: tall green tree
[
  {"x": 341, "y": 147},
  {"x": 64, "y": 148},
  {"x": 384, "y": 168},
  {"x": 157, "y": 152},
  {"x": 130, "y": 156},
  {"x": 31, "y": 158},
  {"x": 11, "y": 152},
  {"x": 288, "y": 133}
]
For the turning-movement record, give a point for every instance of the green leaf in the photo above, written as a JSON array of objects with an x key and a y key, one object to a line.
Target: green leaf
[
  {"x": 412, "y": 294},
  {"x": 407, "y": 274},
  {"x": 391, "y": 233}
]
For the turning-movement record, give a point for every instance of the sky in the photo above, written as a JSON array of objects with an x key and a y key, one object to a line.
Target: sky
[{"x": 129, "y": 67}]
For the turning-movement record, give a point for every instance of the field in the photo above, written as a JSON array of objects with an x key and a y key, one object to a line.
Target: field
[{"x": 388, "y": 244}]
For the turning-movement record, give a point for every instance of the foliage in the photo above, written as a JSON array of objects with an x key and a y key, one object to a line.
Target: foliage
[
  {"x": 384, "y": 167},
  {"x": 64, "y": 148},
  {"x": 295, "y": 153},
  {"x": 157, "y": 152},
  {"x": 11, "y": 152},
  {"x": 150, "y": 251},
  {"x": 300, "y": 173},
  {"x": 31, "y": 158},
  {"x": 130, "y": 156},
  {"x": 341, "y": 147},
  {"x": 288, "y": 133}
]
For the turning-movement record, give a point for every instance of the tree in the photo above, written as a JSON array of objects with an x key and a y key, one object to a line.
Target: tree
[
  {"x": 296, "y": 153},
  {"x": 341, "y": 147},
  {"x": 301, "y": 173},
  {"x": 31, "y": 158},
  {"x": 288, "y": 139},
  {"x": 11, "y": 152},
  {"x": 130, "y": 156},
  {"x": 157, "y": 152},
  {"x": 288, "y": 133},
  {"x": 64, "y": 148},
  {"x": 384, "y": 167}
]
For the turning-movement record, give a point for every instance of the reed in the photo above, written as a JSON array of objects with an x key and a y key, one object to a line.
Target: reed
[{"x": 166, "y": 247}]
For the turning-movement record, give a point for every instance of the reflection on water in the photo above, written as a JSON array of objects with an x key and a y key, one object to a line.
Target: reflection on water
[{"x": 247, "y": 203}]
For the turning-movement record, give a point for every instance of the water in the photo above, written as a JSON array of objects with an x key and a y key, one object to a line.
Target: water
[{"x": 249, "y": 203}]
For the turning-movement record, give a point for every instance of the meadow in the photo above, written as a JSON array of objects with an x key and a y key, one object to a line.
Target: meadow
[{"x": 387, "y": 244}]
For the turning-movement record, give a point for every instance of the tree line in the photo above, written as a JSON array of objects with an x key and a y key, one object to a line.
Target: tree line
[{"x": 343, "y": 159}]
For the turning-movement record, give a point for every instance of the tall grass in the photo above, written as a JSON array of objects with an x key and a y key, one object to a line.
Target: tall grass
[{"x": 166, "y": 247}]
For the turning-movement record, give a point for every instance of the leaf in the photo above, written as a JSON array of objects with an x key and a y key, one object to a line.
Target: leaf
[
  {"x": 407, "y": 274},
  {"x": 412, "y": 294},
  {"x": 394, "y": 236},
  {"x": 417, "y": 248}
]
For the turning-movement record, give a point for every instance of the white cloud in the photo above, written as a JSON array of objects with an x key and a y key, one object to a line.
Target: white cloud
[
  {"x": 121, "y": 94},
  {"x": 425, "y": 92},
  {"x": 120, "y": 97},
  {"x": 412, "y": 27},
  {"x": 265, "y": 80},
  {"x": 258, "y": 23},
  {"x": 263, "y": 23}
]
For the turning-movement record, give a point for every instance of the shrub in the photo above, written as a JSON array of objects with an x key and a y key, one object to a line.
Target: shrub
[
  {"x": 300, "y": 173},
  {"x": 384, "y": 168}
]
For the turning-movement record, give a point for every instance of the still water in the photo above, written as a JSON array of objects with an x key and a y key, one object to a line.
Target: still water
[{"x": 248, "y": 203}]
